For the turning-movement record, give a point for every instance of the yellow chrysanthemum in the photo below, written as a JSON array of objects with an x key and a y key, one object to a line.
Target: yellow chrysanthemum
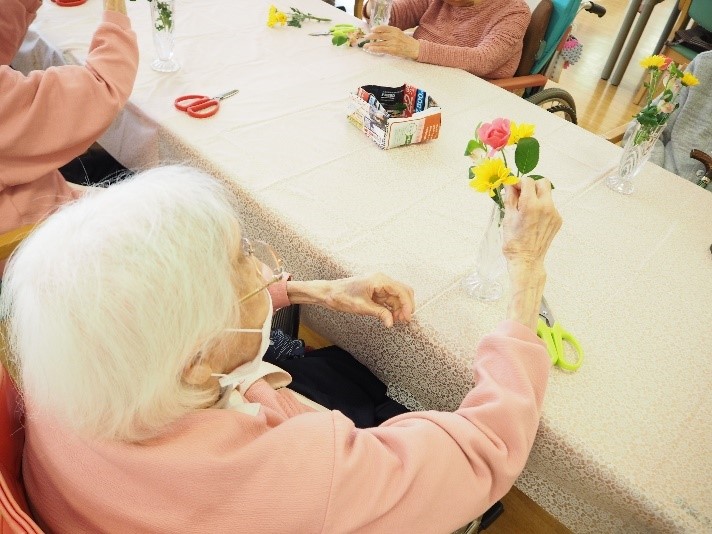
[
  {"x": 653, "y": 62},
  {"x": 275, "y": 16},
  {"x": 490, "y": 174},
  {"x": 519, "y": 131},
  {"x": 688, "y": 79}
]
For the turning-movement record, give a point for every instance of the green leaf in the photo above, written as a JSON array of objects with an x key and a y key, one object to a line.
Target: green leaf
[
  {"x": 526, "y": 156},
  {"x": 539, "y": 177},
  {"x": 470, "y": 173},
  {"x": 472, "y": 145},
  {"x": 338, "y": 39}
]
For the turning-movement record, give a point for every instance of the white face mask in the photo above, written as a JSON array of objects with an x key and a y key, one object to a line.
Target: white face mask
[{"x": 238, "y": 375}]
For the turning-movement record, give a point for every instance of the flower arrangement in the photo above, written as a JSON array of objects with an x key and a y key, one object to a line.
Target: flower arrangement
[
  {"x": 165, "y": 16},
  {"x": 295, "y": 18},
  {"x": 491, "y": 171},
  {"x": 342, "y": 34},
  {"x": 655, "y": 113}
]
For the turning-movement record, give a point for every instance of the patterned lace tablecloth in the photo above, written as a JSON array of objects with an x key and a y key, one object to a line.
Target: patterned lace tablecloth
[{"x": 624, "y": 443}]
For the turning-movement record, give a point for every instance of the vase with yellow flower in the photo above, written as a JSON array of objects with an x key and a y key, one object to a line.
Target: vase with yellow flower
[
  {"x": 489, "y": 174},
  {"x": 651, "y": 120}
]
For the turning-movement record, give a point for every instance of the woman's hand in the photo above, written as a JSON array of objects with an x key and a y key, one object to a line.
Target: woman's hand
[
  {"x": 115, "y": 5},
  {"x": 376, "y": 295},
  {"x": 530, "y": 224},
  {"x": 392, "y": 41}
]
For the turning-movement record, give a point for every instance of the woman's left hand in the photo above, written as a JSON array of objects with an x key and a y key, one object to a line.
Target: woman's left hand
[
  {"x": 390, "y": 40},
  {"x": 376, "y": 295}
]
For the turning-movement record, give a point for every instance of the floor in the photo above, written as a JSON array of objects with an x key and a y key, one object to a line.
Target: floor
[{"x": 601, "y": 108}]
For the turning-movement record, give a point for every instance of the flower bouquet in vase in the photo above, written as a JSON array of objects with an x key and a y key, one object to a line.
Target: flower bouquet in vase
[
  {"x": 651, "y": 120},
  {"x": 489, "y": 174}
]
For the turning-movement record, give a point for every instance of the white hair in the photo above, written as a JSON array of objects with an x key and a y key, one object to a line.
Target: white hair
[{"x": 110, "y": 299}]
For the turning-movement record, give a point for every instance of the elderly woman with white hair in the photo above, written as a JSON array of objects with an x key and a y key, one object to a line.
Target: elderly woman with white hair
[{"x": 148, "y": 407}]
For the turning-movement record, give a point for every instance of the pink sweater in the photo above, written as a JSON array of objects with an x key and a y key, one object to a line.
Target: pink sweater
[
  {"x": 50, "y": 117},
  {"x": 290, "y": 469},
  {"x": 485, "y": 39}
]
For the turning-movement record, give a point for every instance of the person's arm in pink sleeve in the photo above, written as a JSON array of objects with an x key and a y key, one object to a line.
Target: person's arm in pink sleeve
[
  {"x": 278, "y": 292},
  {"x": 504, "y": 40},
  {"x": 17, "y": 15},
  {"x": 50, "y": 117},
  {"x": 436, "y": 471}
]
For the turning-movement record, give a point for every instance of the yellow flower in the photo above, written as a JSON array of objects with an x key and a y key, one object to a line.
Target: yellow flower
[
  {"x": 275, "y": 16},
  {"x": 519, "y": 131},
  {"x": 490, "y": 174},
  {"x": 688, "y": 79},
  {"x": 653, "y": 62}
]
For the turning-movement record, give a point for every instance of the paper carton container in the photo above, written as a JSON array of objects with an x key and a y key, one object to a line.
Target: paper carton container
[{"x": 418, "y": 121}]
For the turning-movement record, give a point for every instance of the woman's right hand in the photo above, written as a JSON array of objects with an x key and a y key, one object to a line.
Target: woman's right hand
[
  {"x": 530, "y": 224},
  {"x": 115, "y": 5}
]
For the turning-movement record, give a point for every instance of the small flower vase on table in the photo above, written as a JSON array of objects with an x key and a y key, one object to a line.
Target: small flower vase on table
[
  {"x": 636, "y": 153},
  {"x": 485, "y": 283},
  {"x": 651, "y": 119},
  {"x": 163, "y": 25},
  {"x": 490, "y": 174}
]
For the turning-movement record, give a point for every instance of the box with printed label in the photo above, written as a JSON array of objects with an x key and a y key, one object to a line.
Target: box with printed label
[{"x": 394, "y": 116}]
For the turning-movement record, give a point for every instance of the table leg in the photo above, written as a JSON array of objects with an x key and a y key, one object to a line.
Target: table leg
[
  {"x": 669, "y": 25},
  {"x": 633, "y": 42},
  {"x": 620, "y": 38}
]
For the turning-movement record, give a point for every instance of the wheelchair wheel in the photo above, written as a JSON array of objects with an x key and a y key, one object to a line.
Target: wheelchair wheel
[{"x": 556, "y": 101}]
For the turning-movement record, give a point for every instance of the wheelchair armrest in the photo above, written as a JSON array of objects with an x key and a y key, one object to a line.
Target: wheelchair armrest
[{"x": 521, "y": 82}]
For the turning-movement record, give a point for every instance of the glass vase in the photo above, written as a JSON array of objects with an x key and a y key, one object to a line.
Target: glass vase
[
  {"x": 485, "y": 283},
  {"x": 636, "y": 153},
  {"x": 163, "y": 24}
]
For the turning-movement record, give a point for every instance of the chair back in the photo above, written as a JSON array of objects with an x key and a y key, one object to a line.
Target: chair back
[
  {"x": 534, "y": 37},
  {"x": 14, "y": 512},
  {"x": 701, "y": 13},
  {"x": 562, "y": 17}
]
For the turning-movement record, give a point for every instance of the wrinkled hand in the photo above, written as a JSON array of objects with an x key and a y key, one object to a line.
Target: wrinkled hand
[
  {"x": 376, "y": 295},
  {"x": 530, "y": 222},
  {"x": 390, "y": 40}
]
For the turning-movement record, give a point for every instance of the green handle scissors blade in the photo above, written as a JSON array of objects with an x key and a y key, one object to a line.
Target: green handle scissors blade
[{"x": 555, "y": 337}]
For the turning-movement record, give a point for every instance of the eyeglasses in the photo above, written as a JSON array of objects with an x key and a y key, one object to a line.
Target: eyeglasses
[{"x": 269, "y": 265}]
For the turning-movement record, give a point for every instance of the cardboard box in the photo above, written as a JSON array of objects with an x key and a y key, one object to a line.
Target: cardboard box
[{"x": 394, "y": 116}]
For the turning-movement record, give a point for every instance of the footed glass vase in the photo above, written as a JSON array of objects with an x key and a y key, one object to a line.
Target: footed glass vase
[
  {"x": 163, "y": 24},
  {"x": 485, "y": 283},
  {"x": 636, "y": 153}
]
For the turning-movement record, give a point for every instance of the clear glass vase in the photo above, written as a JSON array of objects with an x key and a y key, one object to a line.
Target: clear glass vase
[
  {"x": 163, "y": 25},
  {"x": 636, "y": 153},
  {"x": 485, "y": 283}
]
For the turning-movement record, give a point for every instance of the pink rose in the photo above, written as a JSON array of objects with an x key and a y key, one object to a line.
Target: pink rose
[
  {"x": 496, "y": 134},
  {"x": 665, "y": 65}
]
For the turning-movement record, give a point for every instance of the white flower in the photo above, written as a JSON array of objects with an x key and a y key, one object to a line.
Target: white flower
[{"x": 478, "y": 155}]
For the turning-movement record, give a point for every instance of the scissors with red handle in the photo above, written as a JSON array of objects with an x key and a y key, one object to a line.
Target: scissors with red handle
[
  {"x": 69, "y": 3},
  {"x": 201, "y": 106}
]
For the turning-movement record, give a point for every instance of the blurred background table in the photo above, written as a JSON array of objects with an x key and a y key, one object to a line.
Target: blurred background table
[{"x": 624, "y": 444}]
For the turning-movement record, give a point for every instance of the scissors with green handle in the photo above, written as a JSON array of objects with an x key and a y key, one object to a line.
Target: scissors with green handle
[{"x": 555, "y": 337}]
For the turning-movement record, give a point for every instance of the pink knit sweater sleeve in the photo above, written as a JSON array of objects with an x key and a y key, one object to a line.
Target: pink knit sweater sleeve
[
  {"x": 49, "y": 117},
  {"x": 17, "y": 15},
  {"x": 434, "y": 471},
  {"x": 492, "y": 57}
]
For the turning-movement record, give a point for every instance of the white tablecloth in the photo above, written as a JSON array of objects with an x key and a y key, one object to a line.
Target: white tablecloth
[{"x": 624, "y": 443}]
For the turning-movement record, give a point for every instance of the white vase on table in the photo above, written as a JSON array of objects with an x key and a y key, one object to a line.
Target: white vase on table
[
  {"x": 485, "y": 283},
  {"x": 636, "y": 153}
]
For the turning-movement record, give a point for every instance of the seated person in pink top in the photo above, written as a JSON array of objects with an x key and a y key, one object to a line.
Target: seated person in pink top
[
  {"x": 50, "y": 117},
  {"x": 483, "y": 37},
  {"x": 149, "y": 408}
]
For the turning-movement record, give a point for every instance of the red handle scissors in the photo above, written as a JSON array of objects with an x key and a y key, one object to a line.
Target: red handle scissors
[
  {"x": 69, "y": 3},
  {"x": 201, "y": 106}
]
